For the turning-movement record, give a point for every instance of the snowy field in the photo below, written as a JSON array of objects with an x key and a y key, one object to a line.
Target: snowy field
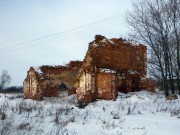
[{"x": 140, "y": 113}]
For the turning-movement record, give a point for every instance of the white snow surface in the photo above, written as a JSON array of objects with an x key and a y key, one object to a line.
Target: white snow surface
[
  {"x": 106, "y": 70},
  {"x": 137, "y": 113}
]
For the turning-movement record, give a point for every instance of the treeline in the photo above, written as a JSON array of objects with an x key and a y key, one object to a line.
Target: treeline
[
  {"x": 156, "y": 23},
  {"x": 12, "y": 89},
  {"x": 5, "y": 80}
]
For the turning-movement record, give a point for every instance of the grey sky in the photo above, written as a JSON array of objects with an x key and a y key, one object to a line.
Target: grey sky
[{"x": 62, "y": 27}]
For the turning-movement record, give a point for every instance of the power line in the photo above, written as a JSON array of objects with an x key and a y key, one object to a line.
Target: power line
[
  {"x": 66, "y": 36},
  {"x": 90, "y": 25},
  {"x": 60, "y": 33},
  {"x": 32, "y": 45}
]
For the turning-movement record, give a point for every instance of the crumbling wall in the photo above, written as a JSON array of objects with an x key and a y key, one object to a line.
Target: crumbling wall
[
  {"x": 106, "y": 85},
  {"x": 53, "y": 69},
  {"x": 32, "y": 86},
  {"x": 71, "y": 91},
  {"x": 45, "y": 80},
  {"x": 74, "y": 64},
  {"x": 50, "y": 90},
  {"x": 56, "y": 75},
  {"x": 117, "y": 54},
  {"x": 114, "y": 54},
  {"x": 46, "y": 69},
  {"x": 66, "y": 77},
  {"x": 84, "y": 89},
  {"x": 148, "y": 84}
]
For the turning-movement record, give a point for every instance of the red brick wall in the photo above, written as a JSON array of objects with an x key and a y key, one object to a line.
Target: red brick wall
[
  {"x": 59, "y": 69},
  {"x": 148, "y": 84},
  {"x": 106, "y": 85},
  {"x": 116, "y": 53},
  {"x": 86, "y": 97},
  {"x": 50, "y": 90},
  {"x": 71, "y": 91},
  {"x": 53, "y": 69},
  {"x": 32, "y": 86}
]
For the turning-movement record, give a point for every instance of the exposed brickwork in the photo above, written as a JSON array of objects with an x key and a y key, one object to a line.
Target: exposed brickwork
[
  {"x": 46, "y": 69},
  {"x": 71, "y": 91},
  {"x": 110, "y": 65},
  {"x": 32, "y": 85},
  {"x": 117, "y": 54},
  {"x": 47, "y": 80},
  {"x": 53, "y": 69},
  {"x": 148, "y": 84},
  {"x": 106, "y": 85},
  {"x": 50, "y": 90},
  {"x": 86, "y": 97}
]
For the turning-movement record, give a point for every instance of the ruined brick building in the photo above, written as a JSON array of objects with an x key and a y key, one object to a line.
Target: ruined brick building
[
  {"x": 48, "y": 80},
  {"x": 110, "y": 65}
]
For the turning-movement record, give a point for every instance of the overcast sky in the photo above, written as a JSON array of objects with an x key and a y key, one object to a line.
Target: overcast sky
[{"x": 53, "y": 32}]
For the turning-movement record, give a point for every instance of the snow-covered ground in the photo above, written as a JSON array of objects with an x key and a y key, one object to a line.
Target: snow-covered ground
[{"x": 138, "y": 113}]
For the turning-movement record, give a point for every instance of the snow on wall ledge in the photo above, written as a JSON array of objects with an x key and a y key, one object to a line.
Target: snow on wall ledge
[{"x": 109, "y": 64}]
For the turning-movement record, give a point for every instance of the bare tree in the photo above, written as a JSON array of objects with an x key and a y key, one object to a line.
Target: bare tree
[
  {"x": 174, "y": 13},
  {"x": 5, "y": 79},
  {"x": 156, "y": 23}
]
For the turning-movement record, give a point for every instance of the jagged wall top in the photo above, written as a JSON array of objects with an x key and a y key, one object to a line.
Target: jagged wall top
[
  {"x": 100, "y": 40},
  {"x": 116, "y": 53},
  {"x": 48, "y": 69}
]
